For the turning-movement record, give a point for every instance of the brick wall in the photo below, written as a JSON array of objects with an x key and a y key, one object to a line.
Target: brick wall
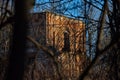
[{"x": 49, "y": 28}]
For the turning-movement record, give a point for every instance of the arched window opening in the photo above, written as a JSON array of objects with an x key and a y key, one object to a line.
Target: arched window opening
[{"x": 66, "y": 42}]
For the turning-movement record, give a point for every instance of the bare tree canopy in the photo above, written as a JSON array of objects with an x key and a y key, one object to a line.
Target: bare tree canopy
[{"x": 60, "y": 39}]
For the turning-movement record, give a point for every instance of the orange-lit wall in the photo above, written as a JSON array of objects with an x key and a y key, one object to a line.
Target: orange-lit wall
[{"x": 49, "y": 28}]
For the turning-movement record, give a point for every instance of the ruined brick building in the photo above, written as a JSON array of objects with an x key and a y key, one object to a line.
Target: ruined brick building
[{"x": 58, "y": 31}]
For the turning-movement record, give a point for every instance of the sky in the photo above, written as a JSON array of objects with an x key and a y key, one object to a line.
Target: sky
[
  {"x": 70, "y": 8},
  {"x": 66, "y": 7}
]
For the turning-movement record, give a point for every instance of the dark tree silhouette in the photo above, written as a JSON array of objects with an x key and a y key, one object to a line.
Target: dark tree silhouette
[{"x": 17, "y": 49}]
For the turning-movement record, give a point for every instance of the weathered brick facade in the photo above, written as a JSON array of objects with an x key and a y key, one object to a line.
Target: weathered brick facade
[{"x": 51, "y": 29}]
